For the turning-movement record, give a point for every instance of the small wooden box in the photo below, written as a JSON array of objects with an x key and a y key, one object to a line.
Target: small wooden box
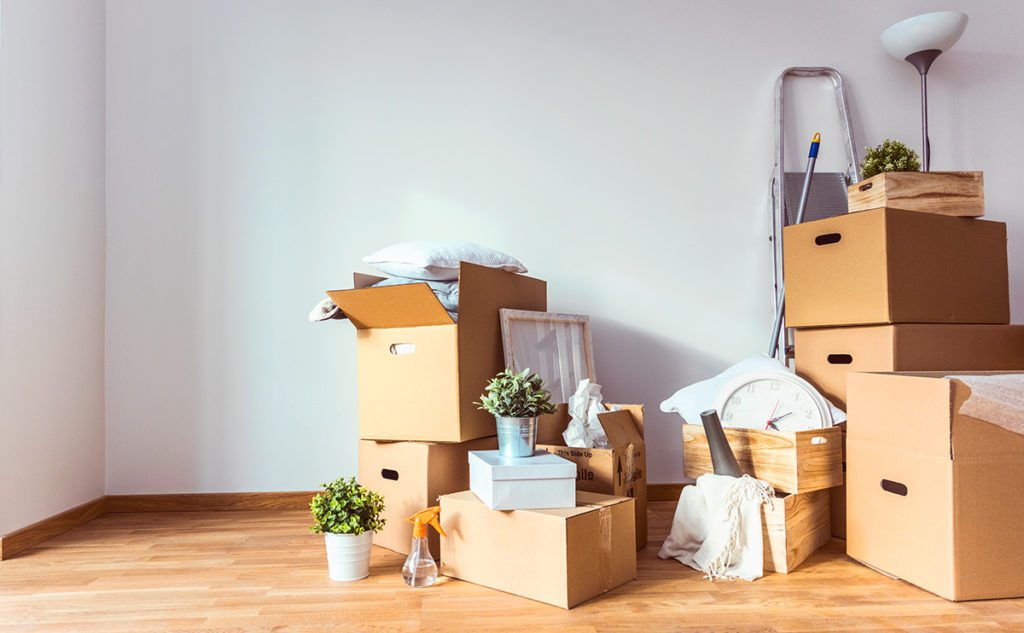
[
  {"x": 796, "y": 462},
  {"x": 794, "y": 529},
  {"x": 960, "y": 193}
]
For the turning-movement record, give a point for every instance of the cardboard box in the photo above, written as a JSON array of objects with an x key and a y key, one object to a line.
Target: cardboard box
[
  {"x": 933, "y": 496},
  {"x": 540, "y": 481},
  {"x": 411, "y": 476},
  {"x": 419, "y": 373},
  {"x": 620, "y": 471},
  {"x": 824, "y": 356},
  {"x": 960, "y": 193},
  {"x": 794, "y": 528},
  {"x": 793, "y": 462},
  {"x": 887, "y": 266},
  {"x": 561, "y": 557}
]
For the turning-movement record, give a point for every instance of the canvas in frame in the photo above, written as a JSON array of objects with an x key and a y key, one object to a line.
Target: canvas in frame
[{"x": 557, "y": 347}]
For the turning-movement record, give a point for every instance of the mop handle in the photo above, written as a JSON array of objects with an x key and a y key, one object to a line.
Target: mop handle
[{"x": 801, "y": 208}]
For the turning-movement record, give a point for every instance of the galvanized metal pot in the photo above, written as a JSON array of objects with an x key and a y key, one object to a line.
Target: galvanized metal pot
[{"x": 517, "y": 437}]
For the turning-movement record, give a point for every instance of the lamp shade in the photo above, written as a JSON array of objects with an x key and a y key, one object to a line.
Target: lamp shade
[{"x": 937, "y": 31}]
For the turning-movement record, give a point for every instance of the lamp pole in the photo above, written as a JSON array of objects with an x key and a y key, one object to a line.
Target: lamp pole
[{"x": 922, "y": 61}]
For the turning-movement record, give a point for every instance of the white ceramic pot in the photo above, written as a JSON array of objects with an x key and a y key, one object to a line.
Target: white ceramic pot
[{"x": 348, "y": 555}]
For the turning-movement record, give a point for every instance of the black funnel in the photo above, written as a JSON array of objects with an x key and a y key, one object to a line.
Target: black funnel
[{"x": 722, "y": 459}]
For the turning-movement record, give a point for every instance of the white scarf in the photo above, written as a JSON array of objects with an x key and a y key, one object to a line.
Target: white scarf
[{"x": 717, "y": 527}]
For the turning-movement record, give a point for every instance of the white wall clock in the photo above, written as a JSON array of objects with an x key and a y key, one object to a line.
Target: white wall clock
[{"x": 775, "y": 401}]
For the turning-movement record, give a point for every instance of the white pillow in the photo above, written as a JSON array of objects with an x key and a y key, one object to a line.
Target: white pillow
[{"x": 438, "y": 261}]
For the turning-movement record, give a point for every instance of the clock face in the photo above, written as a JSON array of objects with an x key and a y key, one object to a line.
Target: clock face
[{"x": 772, "y": 403}]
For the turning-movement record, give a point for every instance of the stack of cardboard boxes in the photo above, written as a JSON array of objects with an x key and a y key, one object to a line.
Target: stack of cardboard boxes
[
  {"x": 419, "y": 375},
  {"x": 918, "y": 286}
]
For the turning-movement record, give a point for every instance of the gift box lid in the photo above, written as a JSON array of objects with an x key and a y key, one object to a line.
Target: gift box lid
[{"x": 541, "y": 465}]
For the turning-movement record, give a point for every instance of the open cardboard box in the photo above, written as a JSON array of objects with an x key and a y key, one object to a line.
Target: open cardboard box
[
  {"x": 889, "y": 266},
  {"x": 620, "y": 470},
  {"x": 934, "y": 497},
  {"x": 411, "y": 476},
  {"x": 825, "y": 356},
  {"x": 419, "y": 372}
]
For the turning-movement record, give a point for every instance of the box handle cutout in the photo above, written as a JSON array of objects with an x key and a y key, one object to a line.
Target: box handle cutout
[
  {"x": 401, "y": 349},
  {"x": 828, "y": 238},
  {"x": 894, "y": 487},
  {"x": 818, "y": 440},
  {"x": 840, "y": 359},
  {"x": 387, "y": 473},
  {"x": 866, "y": 186}
]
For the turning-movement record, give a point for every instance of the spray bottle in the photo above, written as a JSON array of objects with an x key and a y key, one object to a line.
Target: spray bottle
[{"x": 419, "y": 569}]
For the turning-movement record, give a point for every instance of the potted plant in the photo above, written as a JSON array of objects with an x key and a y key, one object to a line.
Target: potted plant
[
  {"x": 515, "y": 399},
  {"x": 347, "y": 514},
  {"x": 889, "y": 156}
]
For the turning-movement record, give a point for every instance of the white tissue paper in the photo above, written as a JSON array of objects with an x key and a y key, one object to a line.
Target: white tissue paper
[{"x": 585, "y": 430}]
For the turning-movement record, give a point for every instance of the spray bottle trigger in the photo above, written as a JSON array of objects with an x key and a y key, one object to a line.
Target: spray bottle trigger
[{"x": 421, "y": 519}]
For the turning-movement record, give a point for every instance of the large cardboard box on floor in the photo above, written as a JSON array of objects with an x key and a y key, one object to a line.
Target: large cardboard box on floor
[
  {"x": 419, "y": 372},
  {"x": 889, "y": 266},
  {"x": 411, "y": 476},
  {"x": 561, "y": 557},
  {"x": 620, "y": 471},
  {"x": 934, "y": 496},
  {"x": 824, "y": 356}
]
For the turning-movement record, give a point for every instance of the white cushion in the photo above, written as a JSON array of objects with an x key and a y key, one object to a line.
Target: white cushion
[{"x": 438, "y": 261}]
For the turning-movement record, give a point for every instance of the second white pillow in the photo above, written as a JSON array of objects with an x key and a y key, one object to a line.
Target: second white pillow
[{"x": 438, "y": 261}]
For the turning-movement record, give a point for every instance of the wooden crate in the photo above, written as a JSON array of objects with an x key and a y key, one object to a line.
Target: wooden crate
[
  {"x": 960, "y": 193},
  {"x": 794, "y": 529},
  {"x": 797, "y": 462}
]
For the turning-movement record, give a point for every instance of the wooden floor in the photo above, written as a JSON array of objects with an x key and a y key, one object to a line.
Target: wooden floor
[{"x": 262, "y": 571}]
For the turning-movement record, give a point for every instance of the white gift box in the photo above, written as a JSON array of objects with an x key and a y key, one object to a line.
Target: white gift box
[{"x": 541, "y": 481}]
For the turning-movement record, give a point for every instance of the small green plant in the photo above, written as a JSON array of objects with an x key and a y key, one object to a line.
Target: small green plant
[
  {"x": 889, "y": 156},
  {"x": 516, "y": 395},
  {"x": 345, "y": 507}
]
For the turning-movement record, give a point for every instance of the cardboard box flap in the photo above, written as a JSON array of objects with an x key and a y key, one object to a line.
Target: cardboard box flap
[
  {"x": 620, "y": 429},
  {"x": 410, "y": 305},
  {"x": 362, "y": 280},
  {"x": 541, "y": 466}
]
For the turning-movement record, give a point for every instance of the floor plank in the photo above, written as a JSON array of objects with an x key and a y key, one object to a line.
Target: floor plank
[{"x": 262, "y": 571}]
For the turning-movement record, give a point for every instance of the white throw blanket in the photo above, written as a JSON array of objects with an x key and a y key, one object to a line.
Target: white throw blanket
[{"x": 717, "y": 527}]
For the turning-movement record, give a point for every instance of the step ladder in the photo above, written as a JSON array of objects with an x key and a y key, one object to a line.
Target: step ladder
[{"x": 827, "y": 196}]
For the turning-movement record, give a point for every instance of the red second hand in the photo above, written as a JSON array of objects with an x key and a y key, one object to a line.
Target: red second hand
[{"x": 768, "y": 424}]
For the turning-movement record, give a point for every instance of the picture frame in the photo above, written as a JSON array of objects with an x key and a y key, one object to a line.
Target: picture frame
[{"x": 555, "y": 346}]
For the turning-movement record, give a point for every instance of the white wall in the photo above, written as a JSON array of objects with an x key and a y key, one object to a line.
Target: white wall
[
  {"x": 51, "y": 257},
  {"x": 257, "y": 149}
]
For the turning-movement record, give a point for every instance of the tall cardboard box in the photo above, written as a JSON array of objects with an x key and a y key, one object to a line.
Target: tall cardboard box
[
  {"x": 411, "y": 476},
  {"x": 889, "y": 266},
  {"x": 620, "y": 471},
  {"x": 824, "y": 356},
  {"x": 419, "y": 372},
  {"x": 934, "y": 497},
  {"x": 562, "y": 557}
]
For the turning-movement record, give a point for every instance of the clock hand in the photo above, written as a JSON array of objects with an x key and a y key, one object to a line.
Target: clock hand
[{"x": 771, "y": 423}]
